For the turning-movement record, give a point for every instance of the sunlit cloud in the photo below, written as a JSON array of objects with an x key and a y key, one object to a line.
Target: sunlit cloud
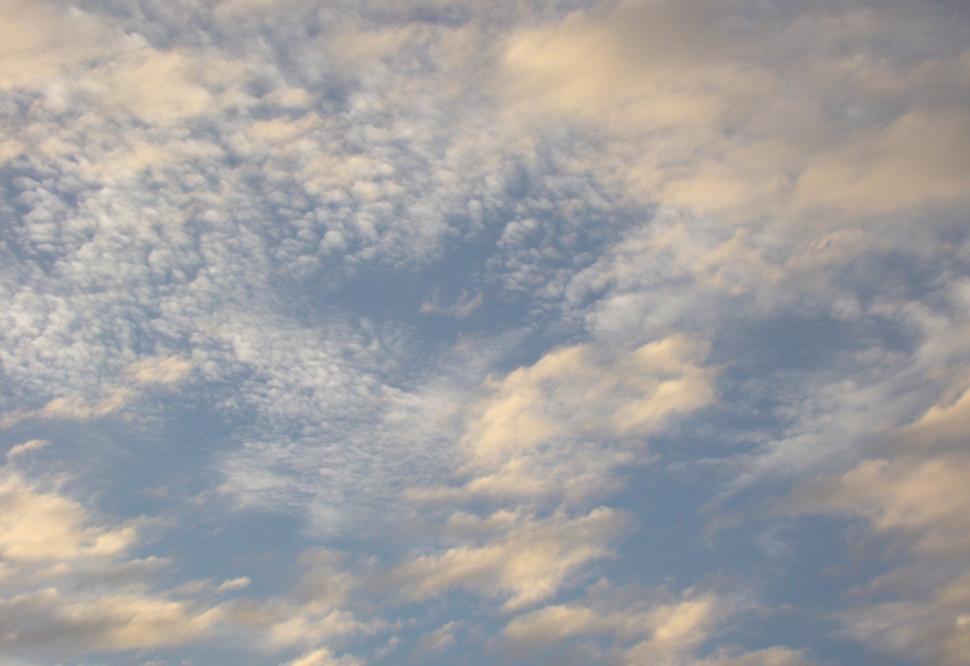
[{"x": 447, "y": 332}]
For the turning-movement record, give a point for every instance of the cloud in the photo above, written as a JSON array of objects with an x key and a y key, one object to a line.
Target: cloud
[
  {"x": 69, "y": 586},
  {"x": 26, "y": 447},
  {"x": 930, "y": 628},
  {"x": 315, "y": 611},
  {"x": 656, "y": 628},
  {"x": 743, "y": 132},
  {"x": 234, "y": 584},
  {"x": 925, "y": 497},
  {"x": 323, "y": 657},
  {"x": 337, "y": 438},
  {"x": 74, "y": 408},
  {"x": 146, "y": 372},
  {"x": 918, "y": 499},
  {"x": 942, "y": 423},
  {"x": 168, "y": 87},
  {"x": 548, "y": 429},
  {"x": 463, "y": 306},
  {"x": 159, "y": 370},
  {"x": 40, "y": 39},
  {"x": 440, "y": 639},
  {"x": 917, "y": 158},
  {"x": 773, "y": 656},
  {"x": 592, "y": 59},
  {"x": 528, "y": 561},
  {"x": 722, "y": 252},
  {"x": 570, "y": 390},
  {"x": 42, "y": 526},
  {"x": 110, "y": 622}
]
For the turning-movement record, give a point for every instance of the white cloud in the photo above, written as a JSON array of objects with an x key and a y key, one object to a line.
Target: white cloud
[
  {"x": 208, "y": 190},
  {"x": 917, "y": 498},
  {"x": 40, "y": 39},
  {"x": 234, "y": 584},
  {"x": 652, "y": 628},
  {"x": 144, "y": 373},
  {"x": 168, "y": 87},
  {"x": 773, "y": 656},
  {"x": 925, "y": 497},
  {"x": 112, "y": 622},
  {"x": 26, "y": 447},
  {"x": 843, "y": 124},
  {"x": 159, "y": 370},
  {"x": 550, "y": 429},
  {"x": 68, "y": 586},
  {"x": 527, "y": 561},
  {"x": 323, "y": 657},
  {"x": 36, "y": 525},
  {"x": 929, "y": 628},
  {"x": 440, "y": 639}
]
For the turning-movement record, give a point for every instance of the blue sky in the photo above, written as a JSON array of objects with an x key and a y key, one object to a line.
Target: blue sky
[{"x": 432, "y": 332}]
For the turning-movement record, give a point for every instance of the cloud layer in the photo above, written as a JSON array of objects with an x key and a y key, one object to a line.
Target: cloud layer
[{"x": 442, "y": 332}]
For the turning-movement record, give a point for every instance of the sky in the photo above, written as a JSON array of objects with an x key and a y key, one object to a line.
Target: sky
[{"x": 484, "y": 332}]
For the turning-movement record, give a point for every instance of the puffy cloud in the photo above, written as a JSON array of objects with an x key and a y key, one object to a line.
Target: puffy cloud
[
  {"x": 168, "y": 87},
  {"x": 842, "y": 124},
  {"x": 146, "y": 372},
  {"x": 658, "y": 631},
  {"x": 549, "y": 428},
  {"x": 42, "y": 526},
  {"x": 527, "y": 561},
  {"x": 919, "y": 158},
  {"x": 159, "y": 370},
  {"x": 251, "y": 193},
  {"x": 68, "y": 587},
  {"x": 48, "y": 620},
  {"x": 592, "y": 60},
  {"x": 74, "y": 408},
  {"x": 65, "y": 49},
  {"x": 943, "y": 423},
  {"x": 930, "y": 628},
  {"x": 663, "y": 630},
  {"x": 315, "y": 611},
  {"x": 323, "y": 657},
  {"x": 40, "y": 39},
  {"x": 571, "y": 391},
  {"x": 925, "y": 497},
  {"x": 919, "y": 499}
]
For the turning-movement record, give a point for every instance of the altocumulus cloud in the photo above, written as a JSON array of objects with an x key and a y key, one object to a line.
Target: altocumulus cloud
[{"x": 623, "y": 332}]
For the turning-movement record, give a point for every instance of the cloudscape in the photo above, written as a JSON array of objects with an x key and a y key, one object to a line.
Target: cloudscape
[{"x": 480, "y": 332}]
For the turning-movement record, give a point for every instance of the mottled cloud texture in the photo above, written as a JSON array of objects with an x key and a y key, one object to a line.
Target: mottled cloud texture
[{"x": 433, "y": 332}]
